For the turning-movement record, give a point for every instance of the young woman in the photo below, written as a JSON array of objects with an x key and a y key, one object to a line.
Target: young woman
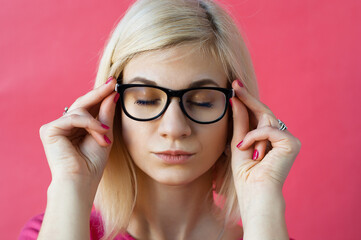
[{"x": 173, "y": 142}]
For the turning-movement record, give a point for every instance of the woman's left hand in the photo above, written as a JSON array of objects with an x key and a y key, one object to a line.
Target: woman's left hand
[{"x": 253, "y": 167}]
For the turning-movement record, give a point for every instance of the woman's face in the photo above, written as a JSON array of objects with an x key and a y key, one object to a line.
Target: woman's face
[{"x": 193, "y": 148}]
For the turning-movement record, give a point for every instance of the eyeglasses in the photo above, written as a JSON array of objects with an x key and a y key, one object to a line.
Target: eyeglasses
[{"x": 202, "y": 105}]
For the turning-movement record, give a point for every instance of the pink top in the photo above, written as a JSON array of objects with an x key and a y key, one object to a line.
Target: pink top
[{"x": 31, "y": 229}]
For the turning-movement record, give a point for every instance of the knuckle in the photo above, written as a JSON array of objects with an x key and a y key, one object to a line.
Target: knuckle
[
  {"x": 271, "y": 116},
  {"x": 267, "y": 129},
  {"x": 72, "y": 118},
  {"x": 264, "y": 116},
  {"x": 42, "y": 130},
  {"x": 46, "y": 132},
  {"x": 294, "y": 145},
  {"x": 289, "y": 149},
  {"x": 298, "y": 143},
  {"x": 91, "y": 122},
  {"x": 77, "y": 101},
  {"x": 81, "y": 110},
  {"x": 268, "y": 118}
]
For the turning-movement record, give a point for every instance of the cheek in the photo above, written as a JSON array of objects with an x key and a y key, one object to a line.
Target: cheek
[
  {"x": 136, "y": 136},
  {"x": 130, "y": 137},
  {"x": 214, "y": 139}
]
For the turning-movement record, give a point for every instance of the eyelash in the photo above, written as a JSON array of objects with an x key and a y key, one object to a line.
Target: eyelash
[
  {"x": 201, "y": 104},
  {"x": 145, "y": 102}
]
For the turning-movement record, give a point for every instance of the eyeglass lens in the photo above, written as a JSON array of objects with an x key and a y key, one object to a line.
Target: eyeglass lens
[{"x": 202, "y": 105}]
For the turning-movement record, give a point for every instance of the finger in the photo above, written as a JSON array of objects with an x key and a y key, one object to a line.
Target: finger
[
  {"x": 259, "y": 113},
  {"x": 95, "y": 96},
  {"x": 260, "y": 147},
  {"x": 64, "y": 126},
  {"x": 107, "y": 111},
  {"x": 259, "y": 150},
  {"x": 240, "y": 129},
  {"x": 285, "y": 147},
  {"x": 277, "y": 138},
  {"x": 98, "y": 135},
  {"x": 250, "y": 101}
]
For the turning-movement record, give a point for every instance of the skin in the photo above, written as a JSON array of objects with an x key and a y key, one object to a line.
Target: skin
[
  {"x": 188, "y": 184},
  {"x": 174, "y": 201},
  {"x": 173, "y": 130}
]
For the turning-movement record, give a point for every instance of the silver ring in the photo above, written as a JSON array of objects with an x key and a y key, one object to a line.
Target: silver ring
[
  {"x": 65, "y": 110},
  {"x": 282, "y": 125}
]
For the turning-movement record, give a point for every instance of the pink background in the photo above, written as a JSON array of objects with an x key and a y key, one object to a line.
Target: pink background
[{"x": 307, "y": 59}]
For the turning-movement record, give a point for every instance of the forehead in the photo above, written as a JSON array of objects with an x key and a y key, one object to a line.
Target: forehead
[{"x": 175, "y": 68}]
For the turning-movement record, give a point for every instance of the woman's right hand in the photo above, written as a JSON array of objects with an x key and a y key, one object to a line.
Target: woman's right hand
[{"x": 77, "y": 145}]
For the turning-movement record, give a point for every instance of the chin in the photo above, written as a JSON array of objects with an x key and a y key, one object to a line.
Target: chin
[{"x": 174, "y": 181}]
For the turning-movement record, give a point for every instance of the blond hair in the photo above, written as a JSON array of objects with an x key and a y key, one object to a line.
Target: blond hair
[{"x": 150, "y": 25}]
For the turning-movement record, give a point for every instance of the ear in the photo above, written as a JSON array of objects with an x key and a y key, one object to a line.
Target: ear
[{"x": 227, "y": 150}]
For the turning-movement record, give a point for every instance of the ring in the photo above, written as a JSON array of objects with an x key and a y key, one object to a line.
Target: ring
[
  {"x": 65, "y": 110},
  {"x": 282, "y": 125}
]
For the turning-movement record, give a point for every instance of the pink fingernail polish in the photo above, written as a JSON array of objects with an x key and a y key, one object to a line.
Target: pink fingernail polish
[
  {"x": 239, "y": 144},
  {"x": 109, "y": 79},
  {"x": 239, "y": 83},
  {"x": 107, "y": 139},
  {"x": 230, "y": 101},
  {"x": 255, "y": 154},
  {"x": 116, "y": 97},
  {"x": 105, "y": 126}
]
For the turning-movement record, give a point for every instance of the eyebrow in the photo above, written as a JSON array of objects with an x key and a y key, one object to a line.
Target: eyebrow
[{"x": 197, "y": 83}]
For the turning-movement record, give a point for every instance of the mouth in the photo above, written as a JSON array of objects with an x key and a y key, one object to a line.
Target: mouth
[{"x": 174, "y": 156}]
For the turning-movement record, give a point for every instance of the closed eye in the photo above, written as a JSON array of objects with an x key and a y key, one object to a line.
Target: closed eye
[
  {"x": 200, "y": 104},
  {"x": 146, "y": 102}
]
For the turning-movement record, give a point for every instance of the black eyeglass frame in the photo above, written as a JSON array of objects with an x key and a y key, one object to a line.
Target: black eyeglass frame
[{"x": 120, "y": 88}]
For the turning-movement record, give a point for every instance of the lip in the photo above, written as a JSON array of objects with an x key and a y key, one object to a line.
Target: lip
[{"x": 174, "y": 156}]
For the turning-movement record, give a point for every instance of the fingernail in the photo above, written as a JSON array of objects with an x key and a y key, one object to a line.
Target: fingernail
[
  {"x": 239, "y": 83},
  {"x": 105, "y": 126},
  {"x": 239, "y": 144},
  {"x": 230, "y": 101},
  {"x": 255, "y": 154},
  {"x": 116, "y": 97},
  {"x": 107, "y": 139},
  {"x": 109, "y": 79}
]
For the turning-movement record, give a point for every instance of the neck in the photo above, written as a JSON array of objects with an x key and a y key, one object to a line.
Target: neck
[{"x": 173, "y": 212}]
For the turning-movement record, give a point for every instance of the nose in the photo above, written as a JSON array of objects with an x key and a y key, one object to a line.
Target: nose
[{"x": 173, "y": 123}]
